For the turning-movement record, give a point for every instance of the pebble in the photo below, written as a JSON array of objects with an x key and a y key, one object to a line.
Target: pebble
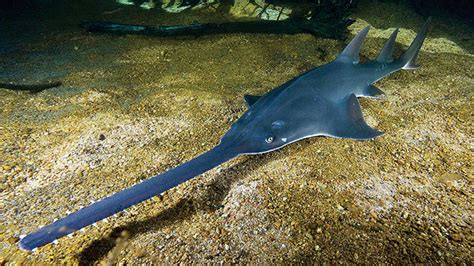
[
  {"x": 125, "y": 234},
  {"x": 140, "y": 254},
  {"x": 456, "y": 237},
  {"x": 12, "y": 240},
  {"x": 374, "y": 215}
]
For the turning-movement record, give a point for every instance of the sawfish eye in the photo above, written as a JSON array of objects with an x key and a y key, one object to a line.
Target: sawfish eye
[{"x": 269, "y": 139}]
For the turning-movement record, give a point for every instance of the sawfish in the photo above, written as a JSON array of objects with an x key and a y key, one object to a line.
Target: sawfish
[{"x": 320, "y": 102}]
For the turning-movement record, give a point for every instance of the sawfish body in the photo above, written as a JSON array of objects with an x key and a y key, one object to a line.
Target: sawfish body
[{"x": 320, "y": 102}]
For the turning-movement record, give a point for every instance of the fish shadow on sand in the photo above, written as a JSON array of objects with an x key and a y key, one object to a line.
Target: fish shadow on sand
[{"x": 215, "y": 192}]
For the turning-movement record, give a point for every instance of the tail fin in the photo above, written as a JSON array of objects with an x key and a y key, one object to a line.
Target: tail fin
[
  {"x": 408, "y": 59},
  {"x": 351, "y": 51},
  {"x": 385, "y": 55}
]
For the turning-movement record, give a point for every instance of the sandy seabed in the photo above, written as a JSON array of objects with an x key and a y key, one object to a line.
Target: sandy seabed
[{"x": 132, "y": 107}]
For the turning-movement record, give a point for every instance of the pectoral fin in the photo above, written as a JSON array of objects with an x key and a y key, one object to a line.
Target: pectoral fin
[{"x": 350, "y": 123}]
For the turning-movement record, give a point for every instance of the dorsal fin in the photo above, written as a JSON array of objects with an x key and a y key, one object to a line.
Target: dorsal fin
[
  {"x": 350, "y": 123},
  {"x": 385, "y": 55},
  {"x": 351, "y": 51},
  {"x": 251, "y": 99}
]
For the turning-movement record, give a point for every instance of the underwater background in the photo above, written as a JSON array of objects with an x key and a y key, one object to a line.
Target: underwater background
[{"x": 130, "y": 107}]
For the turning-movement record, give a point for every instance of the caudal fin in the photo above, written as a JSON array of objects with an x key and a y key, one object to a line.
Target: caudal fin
[{"x": 408, "y": 59}]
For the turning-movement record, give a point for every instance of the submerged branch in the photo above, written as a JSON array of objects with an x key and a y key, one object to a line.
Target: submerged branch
[
  {"x": 333, "y": 29},
  {"x": 34, "y": 88}
]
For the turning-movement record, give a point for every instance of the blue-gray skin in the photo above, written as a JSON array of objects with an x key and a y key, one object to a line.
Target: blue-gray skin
[{"x": 320, "y": 102}]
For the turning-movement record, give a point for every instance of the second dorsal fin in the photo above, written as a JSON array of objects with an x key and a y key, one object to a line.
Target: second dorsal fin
[
  {"x": 351, "y": 52},
  {"x": 385, "y": 55}
]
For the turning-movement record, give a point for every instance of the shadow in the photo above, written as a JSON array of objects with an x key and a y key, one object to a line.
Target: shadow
[{"x": 216, "y": 190}]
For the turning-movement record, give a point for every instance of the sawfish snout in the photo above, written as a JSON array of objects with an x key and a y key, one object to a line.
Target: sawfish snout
[{"x": 256, "y": 138}]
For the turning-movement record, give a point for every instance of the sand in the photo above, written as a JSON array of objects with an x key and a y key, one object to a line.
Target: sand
[{"x": 132, "y": 107}]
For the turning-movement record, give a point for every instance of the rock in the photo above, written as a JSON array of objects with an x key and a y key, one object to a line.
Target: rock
[
  {"x": 260, "y": 9},
  {"x": 125, "y": 2},
  {"x": 148, "y": 5},
  {"x": 450, "y": 179}
]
